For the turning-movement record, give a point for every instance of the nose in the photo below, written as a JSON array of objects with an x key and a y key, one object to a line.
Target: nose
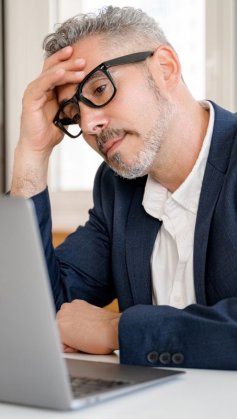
[{"x": 93, "y": 120}]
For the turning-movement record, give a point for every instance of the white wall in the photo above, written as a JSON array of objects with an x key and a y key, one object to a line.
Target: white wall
[
  {"x": 221, "y": 55},
  {"x": 27, "y": 22}
]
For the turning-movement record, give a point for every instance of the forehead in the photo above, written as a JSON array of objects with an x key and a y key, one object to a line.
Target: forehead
[{"x": 95, "y": 50}]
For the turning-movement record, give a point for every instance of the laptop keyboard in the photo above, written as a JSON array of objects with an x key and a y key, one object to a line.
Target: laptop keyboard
[{"x": 84, "y": 386}]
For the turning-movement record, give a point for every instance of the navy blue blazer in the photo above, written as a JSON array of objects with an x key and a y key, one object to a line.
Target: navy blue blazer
[{"x": 110, "y": 257}]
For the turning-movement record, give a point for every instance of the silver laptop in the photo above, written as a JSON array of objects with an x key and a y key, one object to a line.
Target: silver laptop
[{"x": 32, "y": 368}]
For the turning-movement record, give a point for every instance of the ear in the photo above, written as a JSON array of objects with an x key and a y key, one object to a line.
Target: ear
[{"x": 166, "y": 68}]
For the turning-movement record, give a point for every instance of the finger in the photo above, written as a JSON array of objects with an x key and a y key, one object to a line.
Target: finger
[
  {"x": 75, "y": 64},
  {"x": 48, "y": 81},
  {"x": 60, "y": 59},
  {"x": 59, "y": 56},
  {"x": 67, "y": 349}
]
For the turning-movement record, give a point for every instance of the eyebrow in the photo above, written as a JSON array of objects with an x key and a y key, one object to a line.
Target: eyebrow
[{"x": 95, "y": 75}]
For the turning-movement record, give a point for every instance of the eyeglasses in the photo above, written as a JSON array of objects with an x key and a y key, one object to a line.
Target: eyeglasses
[{"x": 96, "y": 90}]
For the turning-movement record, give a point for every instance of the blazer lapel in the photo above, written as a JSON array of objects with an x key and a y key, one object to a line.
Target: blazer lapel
[
  {"x": 210, "y": 191},
  {"x": 141, "y": 233},
  {"x": 221, "y": 146}
]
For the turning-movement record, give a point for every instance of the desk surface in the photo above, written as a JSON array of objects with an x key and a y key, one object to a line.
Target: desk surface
[{"x": 198, "y": 394}]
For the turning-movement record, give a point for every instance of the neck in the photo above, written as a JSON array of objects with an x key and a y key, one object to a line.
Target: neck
[{"x": 181, "y": 148}]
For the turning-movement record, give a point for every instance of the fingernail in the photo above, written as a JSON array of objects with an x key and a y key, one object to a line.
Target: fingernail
[{"x": 80, "y": 61}]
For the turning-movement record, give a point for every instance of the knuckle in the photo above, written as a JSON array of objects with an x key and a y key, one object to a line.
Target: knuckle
[
  {"x": 77, "y": 302},
  {"x": 64, "y": 307}
]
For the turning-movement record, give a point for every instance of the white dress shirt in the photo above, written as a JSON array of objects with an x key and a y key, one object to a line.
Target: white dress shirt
[{"x": 172, "y": 256}]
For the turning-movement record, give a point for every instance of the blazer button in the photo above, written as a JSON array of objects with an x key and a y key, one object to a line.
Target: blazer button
[
  {"x": 165, "y": 358},
  {"x": 177, "y": 358},
  {"x": 153, "y": 357}
]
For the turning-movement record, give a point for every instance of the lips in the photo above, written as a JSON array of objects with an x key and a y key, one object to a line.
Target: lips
[{"x": 110, "y": 144}]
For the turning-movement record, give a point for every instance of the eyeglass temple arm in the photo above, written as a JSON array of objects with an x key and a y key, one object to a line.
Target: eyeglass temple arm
[{"x": 127, "y": 59}]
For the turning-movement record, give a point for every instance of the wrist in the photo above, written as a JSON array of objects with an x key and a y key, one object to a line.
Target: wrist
[
  {"x": 29, "y": 172},
  {"x": 116, "y": 332}
]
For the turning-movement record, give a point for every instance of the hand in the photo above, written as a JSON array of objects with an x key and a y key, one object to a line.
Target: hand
[
  {"x": 87, "y": 328},
  {"x": 40, "y": 100},
  {"x": 38, "y": 134}
]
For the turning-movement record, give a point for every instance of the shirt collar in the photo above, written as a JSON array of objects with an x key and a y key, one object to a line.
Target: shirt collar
[{"x": 187, "y": 195}]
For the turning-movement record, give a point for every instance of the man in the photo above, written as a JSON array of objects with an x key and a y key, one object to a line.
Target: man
[{"x": 161, "y": 236}]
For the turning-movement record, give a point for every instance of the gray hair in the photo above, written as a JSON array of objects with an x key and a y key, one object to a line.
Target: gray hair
[{"x": 124, "y": 26}]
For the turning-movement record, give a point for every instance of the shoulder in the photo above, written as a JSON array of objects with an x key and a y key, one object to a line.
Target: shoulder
[
  {"x": 224, "y": 118},
  {"x": 224, "y": 138}
]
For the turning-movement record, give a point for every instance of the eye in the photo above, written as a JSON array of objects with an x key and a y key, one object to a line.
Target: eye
[
  {"x": 76, "y": 118},
  {"x": 96, "y": 86},
  {"x": 100, "y": 89}
]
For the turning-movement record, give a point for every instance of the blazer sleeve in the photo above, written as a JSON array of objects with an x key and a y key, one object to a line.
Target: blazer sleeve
[
  {"x": 80, "y": 267},
  {"x": 195, "y": 337}
]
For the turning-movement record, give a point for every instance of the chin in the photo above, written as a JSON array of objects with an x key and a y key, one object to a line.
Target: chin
[
  {"x": 128, "y": 173},
  {"x": 127, "y": 169}
]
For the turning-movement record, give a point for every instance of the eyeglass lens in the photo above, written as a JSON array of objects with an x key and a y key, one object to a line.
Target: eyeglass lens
[{"x": 98, "y": 90}]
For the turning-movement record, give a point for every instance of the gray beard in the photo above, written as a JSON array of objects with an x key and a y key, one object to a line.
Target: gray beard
[{"x": 152, "y": 143}]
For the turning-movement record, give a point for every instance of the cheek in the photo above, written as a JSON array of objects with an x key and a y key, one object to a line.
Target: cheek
[{"x": 137, "y": 108}]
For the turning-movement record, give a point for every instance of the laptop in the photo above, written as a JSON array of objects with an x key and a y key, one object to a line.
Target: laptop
[{"x": 33, "y": 370}]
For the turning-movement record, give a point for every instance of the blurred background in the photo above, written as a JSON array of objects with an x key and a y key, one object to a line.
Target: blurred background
[{"x": 203, "y": 33}]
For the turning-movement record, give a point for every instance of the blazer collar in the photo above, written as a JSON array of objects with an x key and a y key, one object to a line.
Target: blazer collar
[{"x": 224, "y": 130}]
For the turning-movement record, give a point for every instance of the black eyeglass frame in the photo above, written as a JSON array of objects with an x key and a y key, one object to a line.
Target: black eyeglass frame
[{"x": 78, "y": 96}]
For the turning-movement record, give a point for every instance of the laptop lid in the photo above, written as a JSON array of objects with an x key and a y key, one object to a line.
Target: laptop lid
[{"x": 32, "y": 369}]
